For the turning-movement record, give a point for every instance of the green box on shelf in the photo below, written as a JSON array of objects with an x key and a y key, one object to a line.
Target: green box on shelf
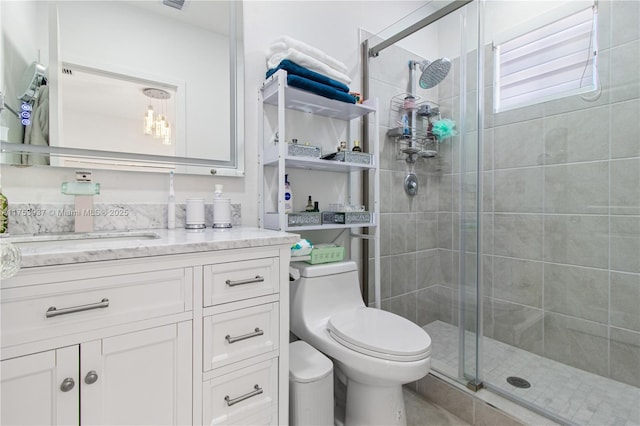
[{"x": 326, "y": 254}]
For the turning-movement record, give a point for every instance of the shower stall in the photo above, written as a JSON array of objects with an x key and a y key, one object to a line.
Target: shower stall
[{"x": 519, "y": 250}]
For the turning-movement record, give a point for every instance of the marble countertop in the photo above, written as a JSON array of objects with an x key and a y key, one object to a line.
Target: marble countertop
[{"x": 68, "y": 248}]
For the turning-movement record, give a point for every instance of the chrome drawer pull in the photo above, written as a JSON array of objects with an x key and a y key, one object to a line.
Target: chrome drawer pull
[
  {"x": 257, "y": 279},
  {"x": 256, "y": 332},
  {"x": 257, "y": 391},
  {"x": 54, "y": 312}
]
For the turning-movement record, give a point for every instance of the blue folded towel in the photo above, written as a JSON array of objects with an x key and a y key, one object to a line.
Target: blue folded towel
[
  {"x": 319, "y": 89},
  {"x": 293, "y": 68}
]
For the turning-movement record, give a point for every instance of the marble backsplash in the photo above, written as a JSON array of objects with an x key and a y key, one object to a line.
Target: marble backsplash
[{"x": 39, "y": 218}]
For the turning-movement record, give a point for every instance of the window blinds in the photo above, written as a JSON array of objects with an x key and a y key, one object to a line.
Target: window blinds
[{"x": 554, "y": 60}]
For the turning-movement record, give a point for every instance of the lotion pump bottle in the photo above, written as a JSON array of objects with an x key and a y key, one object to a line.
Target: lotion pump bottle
[
  {"x": 171, "y": 205},
  {"x": 288, "y": 198}
]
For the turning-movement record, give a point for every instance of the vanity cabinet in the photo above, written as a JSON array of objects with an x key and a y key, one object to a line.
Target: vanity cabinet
[
  {"x": 245, "y": 324},
  {"x": 121, "y": 347},
  {"x": 164, "y": 340}
]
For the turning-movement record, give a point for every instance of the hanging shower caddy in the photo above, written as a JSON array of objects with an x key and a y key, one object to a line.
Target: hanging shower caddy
[{"x": 412, "y": 119}]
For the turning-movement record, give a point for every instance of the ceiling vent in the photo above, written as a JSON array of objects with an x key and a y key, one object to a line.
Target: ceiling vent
[{"x": 177, "y": 4}]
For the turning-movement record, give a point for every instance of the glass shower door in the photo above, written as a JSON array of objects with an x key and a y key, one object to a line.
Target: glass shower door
[{"x": 468, "y": 154}]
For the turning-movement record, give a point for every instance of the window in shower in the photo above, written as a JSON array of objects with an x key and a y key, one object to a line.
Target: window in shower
[{"x": 548, "y": 61}]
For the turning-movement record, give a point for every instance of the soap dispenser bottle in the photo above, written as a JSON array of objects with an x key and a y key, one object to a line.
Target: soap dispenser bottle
[{"x": 288, "y": 197}]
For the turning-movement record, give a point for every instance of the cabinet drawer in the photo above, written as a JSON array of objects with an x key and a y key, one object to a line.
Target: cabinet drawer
[
  {"x": 237, "y": 335},
  {"x": 249, "y": 393},
  {"x": 50, "y": 310},
  {"x": 227, "y": 282}
]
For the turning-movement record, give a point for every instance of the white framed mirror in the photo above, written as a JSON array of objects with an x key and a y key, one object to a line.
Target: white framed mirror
[{"x": 103, "y": 62}]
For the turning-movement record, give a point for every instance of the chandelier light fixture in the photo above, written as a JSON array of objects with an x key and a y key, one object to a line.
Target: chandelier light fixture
[{"x": 157, "y": 125}]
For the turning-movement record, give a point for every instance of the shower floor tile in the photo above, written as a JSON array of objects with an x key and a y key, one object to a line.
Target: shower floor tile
[{"x": 576, "y": 395}]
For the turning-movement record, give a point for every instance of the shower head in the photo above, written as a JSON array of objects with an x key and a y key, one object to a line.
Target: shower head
[{"x": 433, "y": 72}]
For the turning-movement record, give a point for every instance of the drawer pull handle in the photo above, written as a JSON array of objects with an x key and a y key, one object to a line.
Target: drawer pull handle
[
  {"x": 54, "y": 312},
  {"x": 257, "y": 279},
  {"x": 255, "y": 333},
  {"x": 257, "y": 391}
]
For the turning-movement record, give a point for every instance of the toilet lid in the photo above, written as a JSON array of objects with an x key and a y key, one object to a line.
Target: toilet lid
[{"x": 380, "y": 333}]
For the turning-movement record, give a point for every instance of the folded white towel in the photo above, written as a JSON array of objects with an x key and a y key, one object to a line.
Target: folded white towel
[
  {"x": 283, "y": 43},
  {"x": 308, "y": 62}
]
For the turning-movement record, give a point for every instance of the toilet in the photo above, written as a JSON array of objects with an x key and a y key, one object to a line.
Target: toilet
[{"x": 376, "y": 350}]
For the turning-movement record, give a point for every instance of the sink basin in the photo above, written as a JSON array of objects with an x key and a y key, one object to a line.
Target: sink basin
[{"x": 74, "y": 239}]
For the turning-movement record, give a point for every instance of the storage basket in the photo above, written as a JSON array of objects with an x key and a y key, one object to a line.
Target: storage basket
[
  {"x": 296, "y": 150},
  {"x": 354, "y": 157},
  {"x": 349, "y": 218},
  {"x": 326, "y": 254},
  {"x": 304, "y": 219}
]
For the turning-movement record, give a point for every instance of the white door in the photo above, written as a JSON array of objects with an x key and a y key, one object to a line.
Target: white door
[
  {"x": 41, "y": 389},
  {"x": 141, "y": 378}
]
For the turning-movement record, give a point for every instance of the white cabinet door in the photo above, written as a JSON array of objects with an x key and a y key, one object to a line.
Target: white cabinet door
[
  {"x": 141, "y": 378},
  {"x": 41, "y": 389}
]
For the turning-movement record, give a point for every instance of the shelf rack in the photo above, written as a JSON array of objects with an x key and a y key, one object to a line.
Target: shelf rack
[{"x": 275, "y": 91}]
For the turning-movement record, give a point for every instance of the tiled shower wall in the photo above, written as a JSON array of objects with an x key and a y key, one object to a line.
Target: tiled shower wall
[{"x": 561, "y": 222}]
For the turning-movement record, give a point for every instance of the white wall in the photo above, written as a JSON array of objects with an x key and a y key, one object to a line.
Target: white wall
[{"x": 329, "y": 25}]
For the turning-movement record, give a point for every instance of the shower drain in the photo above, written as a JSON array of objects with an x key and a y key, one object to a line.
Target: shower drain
[{"x": 518, "y": 382}]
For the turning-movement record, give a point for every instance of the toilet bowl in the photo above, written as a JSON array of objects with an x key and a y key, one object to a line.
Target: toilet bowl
[{"x": 376, "y": 350}]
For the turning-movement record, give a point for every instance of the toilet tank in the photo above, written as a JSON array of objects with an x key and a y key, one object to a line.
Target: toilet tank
[{"x": 323, "y": 290}]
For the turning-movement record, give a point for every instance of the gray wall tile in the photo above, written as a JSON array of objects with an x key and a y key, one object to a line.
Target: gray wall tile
[
  {"x": 435, "y": 304},
  {"x": 625, "y": 243},
  {"x": 625, "y": 78},
  {"x": 518, "y": 190},
  {"x": 426, "y": 231},
  {"x": 625, "y": 300},
  {"x": 518, "y": 281},
  {"x": 404, "y": 305},
  {"x": 578, "y": 292},
  {"x": 625, "y": 186},
  {"x": 428, "y": 268},
  {"x": 577, "y": 240},
  {"x": 518, "y": 145},
  {"x": 403, "y": 274},
  {"x": 576, "y": 136},
  {"x": 518, "y": 325},
  {"x": 626, "y": 16},
  {"x": 579, "y": 343},
  {"x": 518, "y": 235},
  {"x": 625, "y": 356},
  {"x": 625, "y": 129},
  {"x": 402, "y": 235},
  {"x": 577, "y": 188}
]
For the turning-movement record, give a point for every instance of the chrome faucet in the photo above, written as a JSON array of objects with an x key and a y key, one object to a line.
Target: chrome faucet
[{"x": 83, "y": 189}]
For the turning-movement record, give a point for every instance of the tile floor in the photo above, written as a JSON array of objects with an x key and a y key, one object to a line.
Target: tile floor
[{"x": 581, "y": 397}]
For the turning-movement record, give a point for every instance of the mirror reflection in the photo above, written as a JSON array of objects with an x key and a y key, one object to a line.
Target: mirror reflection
[{"x": 126, "y": 85}]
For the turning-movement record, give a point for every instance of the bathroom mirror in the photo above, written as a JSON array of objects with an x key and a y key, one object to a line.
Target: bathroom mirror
[{"x": 144, "y": 85}]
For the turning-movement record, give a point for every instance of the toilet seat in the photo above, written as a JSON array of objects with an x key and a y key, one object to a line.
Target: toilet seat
[{"x": 380, "y": 334}]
